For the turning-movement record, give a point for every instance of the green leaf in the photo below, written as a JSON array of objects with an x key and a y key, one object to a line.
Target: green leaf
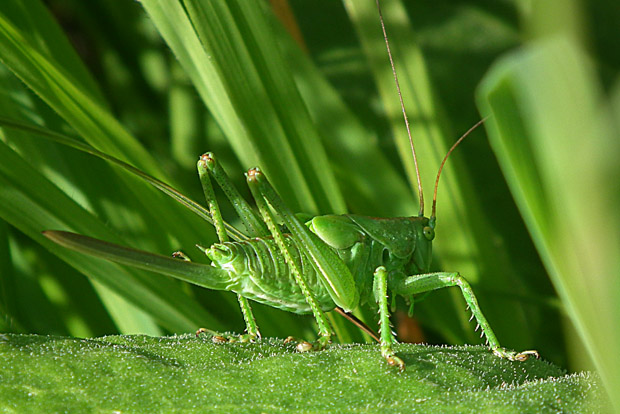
[{"x": 185, "y": 373}]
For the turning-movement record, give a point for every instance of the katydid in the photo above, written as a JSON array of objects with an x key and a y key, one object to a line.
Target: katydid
[
  {"x": 329, "y": 261},
  {"x": 325, "y": 263}
]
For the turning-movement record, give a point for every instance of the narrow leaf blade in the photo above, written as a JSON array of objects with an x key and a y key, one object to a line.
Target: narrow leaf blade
[{"x": 196, "y": 273}]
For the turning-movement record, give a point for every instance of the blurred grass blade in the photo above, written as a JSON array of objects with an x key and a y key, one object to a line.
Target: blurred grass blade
[
  {"x": 31, "y": 203},
  {"x": 552, "y": 134},
  {"x": 258, "y": 108},
  {"x": 52, "y": 79},
  {"x": 8, "y": 294},
  {"x": 51, "y": 74},
  {"x": 366, "y": 175},
  {"x": 193, "y": 206}
]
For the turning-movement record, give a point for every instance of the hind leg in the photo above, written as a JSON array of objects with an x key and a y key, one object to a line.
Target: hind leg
[
  {"x": 206, "y": 165},
  {"x": 266, "y": 197}
]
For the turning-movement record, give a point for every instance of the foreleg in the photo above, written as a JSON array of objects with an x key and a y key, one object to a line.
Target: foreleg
[{"x": 431, "y": 281}]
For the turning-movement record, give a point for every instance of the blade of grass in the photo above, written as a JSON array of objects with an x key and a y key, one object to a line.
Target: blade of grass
[
  {"x": 555, "y": 142},
  {"x": 364, "y": 173},
  {"x": 31, "y": 203},
  {"x": 52, "y": 80},
  {"x": 258, "y": 108}
]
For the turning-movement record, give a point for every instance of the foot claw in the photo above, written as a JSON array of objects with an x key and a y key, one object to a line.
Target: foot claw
[
  {"x": 395, "y": 361},
  {"x": 303, "y": 346},
  {"x": 200, "y": 331},
  {"x": 523, "y": 356},
  {"x": 515, "y": 356},
  {"x": 218, "y": 339},
  {"x": 224, "y": 338}
]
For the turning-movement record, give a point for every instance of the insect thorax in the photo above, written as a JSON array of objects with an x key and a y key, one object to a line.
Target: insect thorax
[{"x": 403, "y": 245}]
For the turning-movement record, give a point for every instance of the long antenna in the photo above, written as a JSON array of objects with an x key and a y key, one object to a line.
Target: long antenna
[
  {"x": 469, "y": 131},
  {"x": 402, "y": 106}
]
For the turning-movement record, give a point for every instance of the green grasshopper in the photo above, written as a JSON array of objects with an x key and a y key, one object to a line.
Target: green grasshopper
[{"x": 315, "y": 266}]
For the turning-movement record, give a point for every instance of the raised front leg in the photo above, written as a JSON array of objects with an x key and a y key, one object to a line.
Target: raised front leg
[{"x": 431, "y": 281}]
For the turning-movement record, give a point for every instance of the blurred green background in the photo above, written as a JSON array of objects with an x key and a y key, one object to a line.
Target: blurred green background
[{"x": 528, "y": 216}]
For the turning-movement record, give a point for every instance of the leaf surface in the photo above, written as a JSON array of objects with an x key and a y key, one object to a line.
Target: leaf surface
[{"x": 184, "y": 373}]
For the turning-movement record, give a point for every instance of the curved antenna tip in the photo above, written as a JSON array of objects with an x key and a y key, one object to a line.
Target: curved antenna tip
[{"x": 469, "y": 131}]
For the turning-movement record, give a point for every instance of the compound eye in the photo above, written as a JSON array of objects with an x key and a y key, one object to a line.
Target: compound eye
[{"x": 429, "y": 233}]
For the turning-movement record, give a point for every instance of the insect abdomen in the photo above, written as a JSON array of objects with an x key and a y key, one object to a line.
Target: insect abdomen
[{"x": 261, "y": 274}]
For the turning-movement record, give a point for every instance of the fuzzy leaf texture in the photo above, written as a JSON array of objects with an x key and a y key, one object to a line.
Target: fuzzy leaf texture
[{"x": 184, "y": 373}]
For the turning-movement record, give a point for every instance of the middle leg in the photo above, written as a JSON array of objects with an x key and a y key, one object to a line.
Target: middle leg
[{"x": 388, "y": 338}]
